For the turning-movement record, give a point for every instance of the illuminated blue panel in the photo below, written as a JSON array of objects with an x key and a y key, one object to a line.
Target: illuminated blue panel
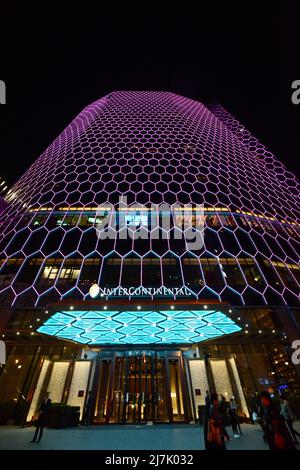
[{"x": 140, "y": 327}]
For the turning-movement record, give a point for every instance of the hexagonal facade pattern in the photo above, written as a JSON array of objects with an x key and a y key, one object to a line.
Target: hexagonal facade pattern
[{"x": 153, "y": 148}]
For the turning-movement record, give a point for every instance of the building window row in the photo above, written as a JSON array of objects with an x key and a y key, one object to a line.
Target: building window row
[
  {"x": 165, "y": 220},
  {"x": 152, "y": 271}
]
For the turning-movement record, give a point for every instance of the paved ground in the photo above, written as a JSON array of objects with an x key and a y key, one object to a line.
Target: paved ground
[{"x": 159, "y": 437}]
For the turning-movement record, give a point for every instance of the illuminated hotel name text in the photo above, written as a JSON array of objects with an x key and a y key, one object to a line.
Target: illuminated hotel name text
[{"x": 96, "y": 291}]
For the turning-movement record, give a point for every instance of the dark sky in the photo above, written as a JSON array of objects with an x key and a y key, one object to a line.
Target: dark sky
[{"x": 54, "y": 64}]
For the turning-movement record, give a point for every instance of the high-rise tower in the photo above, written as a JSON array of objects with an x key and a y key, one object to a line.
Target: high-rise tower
[{"x": 152, "y": 149}]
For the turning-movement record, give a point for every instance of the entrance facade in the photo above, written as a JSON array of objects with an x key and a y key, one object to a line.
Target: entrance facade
[{"x": 139, "y": 387}]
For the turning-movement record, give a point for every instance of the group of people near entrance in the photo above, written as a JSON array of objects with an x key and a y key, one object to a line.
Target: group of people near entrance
[
  {"x": 217, "y": 415},
  {"x": 275, "y": 420}
]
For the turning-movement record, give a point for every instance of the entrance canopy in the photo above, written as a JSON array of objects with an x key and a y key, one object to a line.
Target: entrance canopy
[{"x": 112, "y": 324}]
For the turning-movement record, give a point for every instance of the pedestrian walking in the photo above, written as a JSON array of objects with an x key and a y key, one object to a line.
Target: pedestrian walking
[
  {"x": 277, "y": 433},
  {"x": 207, "y": 401},
  {"x": 206, "y": 416},
  {"x": 215, "y": 434},
  {"x": 224, "y": 415},
  {"x": 233, "y": 417},
  {"x": 254, "y": 407},
  {"x": 42, "y": 418}
]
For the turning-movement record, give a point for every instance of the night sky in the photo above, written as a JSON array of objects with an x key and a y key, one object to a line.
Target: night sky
[{"x": 55, "y": 64}]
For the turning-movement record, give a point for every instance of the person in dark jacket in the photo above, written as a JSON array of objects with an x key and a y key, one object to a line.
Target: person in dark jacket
[
  {"x": 233, "y": 416},
  {"x": 278, "y": 435},
  {"x": 206, "y": 416},
  {"x": 254, "y": 406},
  {"x": 41, "y": 421},
  {"x": 88, "y": 410},
  {"x": 207, "y": 401},
  {"x": 223, "y": 412},
  {"x": 216, "y": 435}
]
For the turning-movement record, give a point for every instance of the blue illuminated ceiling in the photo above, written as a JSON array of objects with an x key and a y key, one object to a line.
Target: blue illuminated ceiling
[{"x": 139, "y": 327}]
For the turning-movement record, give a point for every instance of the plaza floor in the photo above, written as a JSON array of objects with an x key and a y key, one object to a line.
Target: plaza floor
[{"x": 155, "y": 437}]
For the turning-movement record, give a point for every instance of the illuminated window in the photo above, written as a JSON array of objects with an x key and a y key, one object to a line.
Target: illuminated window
[
  {"x": 70, "y": 270},
  {"x": 232, "y": 271},
  {"x": 136, "y": 220},
  {"x": 286, "y": 275},
  {"x": 251, "y": 272},
  {"x": 269, "y": 272},
  {"x": 39, "y": 220},
  {"x": 212, "y": 221},
  {"x": 228, "y": 220},
  {"x": 50, "y": 271}
]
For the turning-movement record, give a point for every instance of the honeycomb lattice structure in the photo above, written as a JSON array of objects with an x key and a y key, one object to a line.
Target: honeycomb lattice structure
[
  {"x": 153, "y": 147},
  {"x": 275, "y": 168},
  {"x": 3, "y": 204}
]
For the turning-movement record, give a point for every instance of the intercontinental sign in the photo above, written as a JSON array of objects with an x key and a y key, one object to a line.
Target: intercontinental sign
[{"x": 97, "y": 291}]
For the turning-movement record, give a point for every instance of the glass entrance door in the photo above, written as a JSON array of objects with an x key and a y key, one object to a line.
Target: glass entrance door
[
  {"x": 101, "y": 414},
  {"x": 139, "y": 388},
  {"x": 176, "y": 390},
  {"x": 139, "y": 393}
]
